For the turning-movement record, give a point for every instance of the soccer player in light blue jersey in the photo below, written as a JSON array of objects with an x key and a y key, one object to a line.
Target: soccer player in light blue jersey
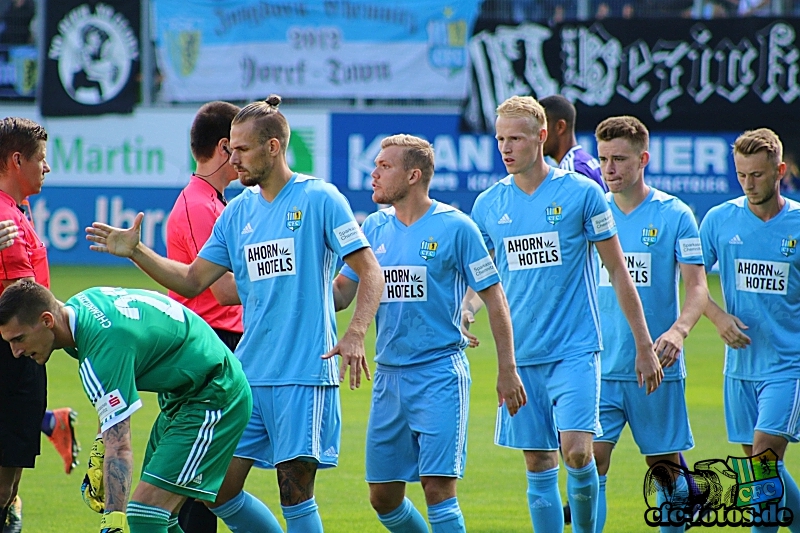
[
  {"x": 280, "y": 238},
  {"x": 429, "y": 252},
  {"x": 659, "y": 239},
  {"x": 754, "y": 239},
  {"x": 542, "y": 224}
]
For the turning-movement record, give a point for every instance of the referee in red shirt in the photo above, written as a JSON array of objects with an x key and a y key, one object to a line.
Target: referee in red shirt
[{"x": 188, "y": 227}]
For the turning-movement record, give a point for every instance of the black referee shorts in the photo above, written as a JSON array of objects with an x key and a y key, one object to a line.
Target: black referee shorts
[
  {"x": 23, "y": 399},
  {"x": 230, "y": 338}
]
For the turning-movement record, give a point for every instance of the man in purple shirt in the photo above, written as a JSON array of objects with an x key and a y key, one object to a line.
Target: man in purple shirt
[{"x": 561, "y": 143}]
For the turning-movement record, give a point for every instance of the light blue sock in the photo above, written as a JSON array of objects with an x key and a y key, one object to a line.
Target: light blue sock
[
  {"x": 681, "y": 495},
  {"x": 544, "y": 501},
  {"x": 601, "y": 505},
  {"x": 405, "y": 519},
  {"x": 582, "y": 487},
  {"x": 247, "y": 514},
  {"x": 791, "y": 496},
  {"x": 303, "y": 517},
  {"x": 446, "y": 517}
]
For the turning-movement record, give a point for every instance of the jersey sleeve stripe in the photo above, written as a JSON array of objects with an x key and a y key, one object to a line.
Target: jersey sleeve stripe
[{"x": 91, "y": 385}]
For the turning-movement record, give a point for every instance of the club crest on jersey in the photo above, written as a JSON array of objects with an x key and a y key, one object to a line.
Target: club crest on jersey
[
  {"x": 294, "y": 218},
  {"x": 427, "y": 249},
  {"x": 788, "y": 246},
  {"x": 553, "y": 214},
  {"x": 649, "y": 236}
]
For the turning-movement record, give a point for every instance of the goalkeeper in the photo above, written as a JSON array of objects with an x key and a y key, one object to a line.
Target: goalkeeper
[{"x": 126, "y": 340}]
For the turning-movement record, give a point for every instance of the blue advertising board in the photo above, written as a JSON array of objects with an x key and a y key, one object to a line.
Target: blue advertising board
[
  {"x": 466, "y": 163},
  {"x": 696, "y": 167},
  {"x": 61, "y": 215}
]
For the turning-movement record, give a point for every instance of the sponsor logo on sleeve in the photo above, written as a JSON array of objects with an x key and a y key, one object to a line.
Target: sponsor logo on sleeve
[
  {"x": 690, "y": 247},
  {"x": 349, "y": 233},
  {"x": 111, "y": 403},
  {"x": 270, "y": 259},
  {"x": 405, "y": 284},
  {"x": 482, "y": 269},
  {"x": 767, "y": 277},
  {"x": 535, "y": 250},
  {"x": 603, "y": 222},
  {"x": 638, "y": 264}
]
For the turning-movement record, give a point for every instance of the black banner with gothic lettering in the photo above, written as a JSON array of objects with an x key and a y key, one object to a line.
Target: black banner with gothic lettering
[
  {"x": 92, "y": 57},
  {"x": 673, "y": 74}
]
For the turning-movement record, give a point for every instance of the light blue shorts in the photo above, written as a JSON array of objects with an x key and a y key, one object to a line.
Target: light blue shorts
[
  {"x": 771, "y": 407},
  {"x": 293, "y": 422},
  {"x": 418, "y": 421},
  {"x": 659, "y": 421},
  {"x": 562, "y": 396}
]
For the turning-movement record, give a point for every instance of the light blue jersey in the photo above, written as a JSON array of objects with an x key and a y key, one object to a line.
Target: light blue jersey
[
  {"x": 760, "y": 273},
  {"x": 283, "y": 256},
  {"x": 543, "y": 250},
  {"x": 655, "y": 237},
  {"x": 426, "y": 267}
]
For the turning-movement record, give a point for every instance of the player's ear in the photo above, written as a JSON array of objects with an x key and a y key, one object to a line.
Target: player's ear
[
  {"x": 561, "y": 126},
  {"x": 542, "y": 135},
  {"x": 48, "y": 319},
  {"x": 416, "y": 175},
  {"x": 644, "y": 159},
  {"x": 781, "y": 169}
]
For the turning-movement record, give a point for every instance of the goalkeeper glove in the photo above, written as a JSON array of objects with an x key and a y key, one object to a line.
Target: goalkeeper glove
[
  {"x": 115, "y": 522},
  {"x": 92, "y": 487}
]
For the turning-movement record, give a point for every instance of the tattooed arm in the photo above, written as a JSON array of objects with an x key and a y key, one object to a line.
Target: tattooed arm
[{"x": 118, "y": 465}]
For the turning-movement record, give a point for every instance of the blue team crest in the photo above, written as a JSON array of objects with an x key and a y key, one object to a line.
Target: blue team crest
[
  {"x": 788, "y": 246},
  {"x": 649, "y": 236},
  {"x": 427, "y": 249},
  {"x": 294, "y": 218},
  {"x": 553, "y": 214}
]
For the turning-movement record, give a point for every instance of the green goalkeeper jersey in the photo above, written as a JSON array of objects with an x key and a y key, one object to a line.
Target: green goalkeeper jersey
[{"x": 130, "y": 340}]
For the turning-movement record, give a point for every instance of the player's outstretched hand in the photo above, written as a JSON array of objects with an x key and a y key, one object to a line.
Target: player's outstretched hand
[
  {"x": 730, "y": 329},
  {"x": 510, "y": 391},
  {"x": 351, "y": 349},
  {"x": 8, "y": 232},
  {"x": 648, "y": 370},
  {"x": 668, "y": 347},
  {"x": 116, "y": 241},
  {"x": 467, "y": 318}
]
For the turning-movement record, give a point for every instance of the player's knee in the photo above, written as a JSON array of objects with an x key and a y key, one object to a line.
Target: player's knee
[
  {"x": 539, "y": 461},
  {"x": 384, "y": 502},
  {"x": 577, "y": 458},
  {"x": 438, "y": 489}
]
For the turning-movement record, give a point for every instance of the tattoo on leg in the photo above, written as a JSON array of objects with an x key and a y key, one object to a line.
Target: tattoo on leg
[{"x": 296, "y": 481}]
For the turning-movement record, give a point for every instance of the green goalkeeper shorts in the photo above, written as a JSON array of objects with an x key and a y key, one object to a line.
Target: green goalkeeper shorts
[{"x": 189, "y": 452}]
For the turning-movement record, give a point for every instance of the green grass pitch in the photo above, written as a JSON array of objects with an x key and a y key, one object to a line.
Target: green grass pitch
[{"x": 492, "y": 495}]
